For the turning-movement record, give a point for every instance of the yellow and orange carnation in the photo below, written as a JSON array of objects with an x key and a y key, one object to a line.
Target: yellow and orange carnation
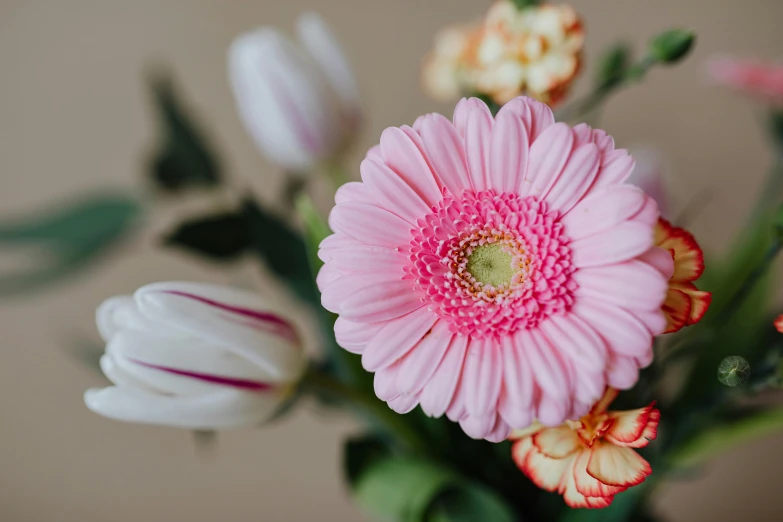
[
  {"x": 590, "y": 460},
  {"x": 685, "y": 304},
  {"x": 534, "y": 51}
]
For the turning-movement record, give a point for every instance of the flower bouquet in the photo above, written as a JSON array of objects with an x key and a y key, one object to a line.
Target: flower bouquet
[{"x": 503, "y": 294}]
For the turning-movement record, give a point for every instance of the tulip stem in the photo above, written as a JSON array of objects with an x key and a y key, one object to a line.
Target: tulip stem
[{"x": 394, "y": 423}]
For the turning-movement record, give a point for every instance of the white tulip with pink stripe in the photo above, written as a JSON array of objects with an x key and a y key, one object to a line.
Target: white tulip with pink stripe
[{"x": 195, "y": 355}]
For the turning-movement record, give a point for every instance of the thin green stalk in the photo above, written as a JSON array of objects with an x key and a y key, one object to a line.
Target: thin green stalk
[
  {"x": 738, "y": 299},
  {"x": 391, "y": 421},
  {"x": 595, "y": 99}
]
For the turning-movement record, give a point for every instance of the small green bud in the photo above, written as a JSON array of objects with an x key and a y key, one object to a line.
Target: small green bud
[
  {"x": 613, "y": 65},
  {"x": 733, "y": 371},
  {"x": 523, "y": 4},
  {"x": 671, "y": 46}
]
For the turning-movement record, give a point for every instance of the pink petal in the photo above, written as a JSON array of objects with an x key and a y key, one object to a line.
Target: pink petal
[
  {"x": 420, "y": 364},
  {"x": 364, "y": 258},
  {"x": 392, "y": 192},
  {"x": 508, "y": 153},
  {"x": 483, "y": 377},
  {"x": 550, "y": 374},
  {"x": 603, "y": 209},
  {"x": 548, "y": 155},
  {"x": 354, "y": 336},
  {"x": 385, "y": 382},
  {"x": 478, "y": 427},
  {"x": 446, "y": 152},
  {"x": 477, "y": 134},
  {"x": 575, "y": 180},
  {"x": 396, "y": 338},
  {"x": 516, "y": 398},
  {"x": 404, "y": 403},
  {"x": 353, "y": 192},
  {"x": 620, "y": 243},
  {"x": 577, "y": 340},
  {"x": 633, "y": 285},
  {"x": 405, "y": 158},
  {"x": 359, "y": 301},
  {"x": 615, "y": 170},
  {"x": 622, "y": 372},
  {"x": 621, "y": 330},
  {"x": 537, "y": 116},
  {"x": 439, "y": 391},
  {"x": 370, "y": 225},
  {"x": 661, "y": 260}
]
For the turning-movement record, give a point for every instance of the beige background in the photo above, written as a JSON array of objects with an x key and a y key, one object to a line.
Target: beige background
[{"x": 74, "y": 116}]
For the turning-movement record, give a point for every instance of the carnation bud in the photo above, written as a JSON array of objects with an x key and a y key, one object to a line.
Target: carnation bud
[
  {"x": 733, "y": 371},
  {"x": 671, "y": 46},
  {"x": 522, "y": 4}
]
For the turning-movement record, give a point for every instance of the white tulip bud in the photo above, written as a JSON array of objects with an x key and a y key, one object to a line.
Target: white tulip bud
[
  {"x": 298, "y": 102},
  {"x": 195, "y": 356}
]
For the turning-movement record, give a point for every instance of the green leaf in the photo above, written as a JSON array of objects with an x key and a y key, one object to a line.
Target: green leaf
[
  {"x": 469, "y": 503},
  {"x": 360, "y": 454},
  {"x": 184, "y": 158},
  {"x": 401, "y": 489},
  {"x": 283, "y": 249},
  {"x": 716, "y": 439},
  {"x": 221, "y": 237},
  {"x": 73, "y": 235},
  {"x": 523, "y": 4}
]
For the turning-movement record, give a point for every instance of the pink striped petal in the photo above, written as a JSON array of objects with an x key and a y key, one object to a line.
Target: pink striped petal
[
  {"x": 439, "y": 390},
  {"x": 575, "y": 180},
  {"x": 354, "y": 336},
  {"x": 622, "y": 372},
  {"x": 633, "y": 285},
  {"x": 364, "y": 258},
  {"x": 616, "y": 169},
  {"x": 483, "y": 377},
  {"x": 550, "y": 374},
  {"x": 353, "y": 192},
  {"x": 577, "y": 340},
  {"x": 548, "y": 155},
  {"x": 477, "y": 134},
  {"x": 404, "y": 403},
  {"x": 515, "y": 403},
  {"x": 370, "y": 225},
  {"x": 602, "y": 209},
  {"x": 509, "y": 152},
  {"x": 420, "y": 364},
  {"x": 392, "y": 192},
  {"x": 536, "y": 116},
  {"x": 397, "y": 338},
  {"x": 363, "y": 298},
  {"x": 620, "y": 243},
  {"x": 446, "y": 152},
  {"x": 661, "y": 260},
  {"x": 385, "y": 382},
  {"x": 405, "y": 158},
  {"x": 622, "y": 331}
]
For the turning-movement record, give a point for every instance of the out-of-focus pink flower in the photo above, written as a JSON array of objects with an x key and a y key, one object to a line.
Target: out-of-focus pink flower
[
  {"x": 298, "y": 100},
  {"x": 757, "y": 78},
  {"x": 493, "y": 269},
  {"x": 648, "y": 175},
  {"x": 590, "y": 460}
]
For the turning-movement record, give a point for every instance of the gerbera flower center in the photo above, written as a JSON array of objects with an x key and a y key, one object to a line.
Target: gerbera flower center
[{"x": 492, "y": 263}]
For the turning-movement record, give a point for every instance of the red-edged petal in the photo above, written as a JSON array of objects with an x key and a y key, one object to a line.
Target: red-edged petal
[
  {"x": 557, "y": 443},
  {"x": 617, "y": 466},
  {"x": 588, "y": 485},
  {"x": 700, "y": 301},
  {"x": 628, "y": 427},
  {"x": 573, "y": 497},
  {"x": 688, "y": 256},
  {"x": 677, "y": 309},
  {"x": 545, "y": 472}
]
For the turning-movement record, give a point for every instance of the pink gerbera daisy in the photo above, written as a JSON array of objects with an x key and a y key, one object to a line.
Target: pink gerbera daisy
[{"x": 495, "y": 270}]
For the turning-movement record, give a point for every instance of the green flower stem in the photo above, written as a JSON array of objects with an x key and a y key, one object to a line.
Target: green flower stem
[
  {"x": 738, "y": 299},
  {"x": 600, "y": 94},
  {"x": 391, "y": 421}
]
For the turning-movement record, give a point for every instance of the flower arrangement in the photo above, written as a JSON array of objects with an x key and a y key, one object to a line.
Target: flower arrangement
[{"x": 498, "y": 292}]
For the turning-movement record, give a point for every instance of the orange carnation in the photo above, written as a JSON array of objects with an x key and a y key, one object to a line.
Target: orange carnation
[{"x": 590, "y": 460}]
